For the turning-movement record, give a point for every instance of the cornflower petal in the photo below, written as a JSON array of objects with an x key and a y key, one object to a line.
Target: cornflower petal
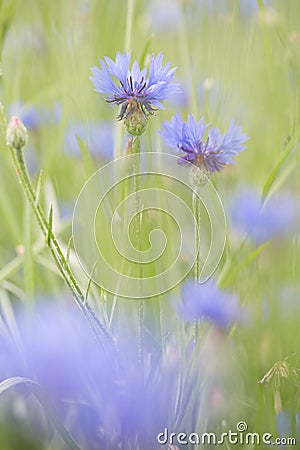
[{"x": 211, "y": 154}]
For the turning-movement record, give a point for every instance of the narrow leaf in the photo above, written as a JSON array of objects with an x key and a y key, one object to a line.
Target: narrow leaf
[
  {"x": 244, "y": 263},
  {"x": 14, "y": 381},
  {"x": 88, "y": 162},
  {"x": 38, "y": 188},
  {"x": 50, "y": 223},
  {"x": 69, "y": 246}
]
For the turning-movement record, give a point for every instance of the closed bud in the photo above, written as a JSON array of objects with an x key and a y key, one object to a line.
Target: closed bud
[{"x": 16, "y": 133}]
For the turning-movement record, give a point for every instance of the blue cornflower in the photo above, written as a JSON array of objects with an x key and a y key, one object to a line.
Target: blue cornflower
[
  {"x": 138, "y": 93},
  {"x": 207, "y": 301},
  {"x": 210, "y": 154},
  {"x": 98, "y": 137},
  {"x": 112, "y": 402},
  {"x": 277, "y": 217},
  {"x": 29, "y": 115}
]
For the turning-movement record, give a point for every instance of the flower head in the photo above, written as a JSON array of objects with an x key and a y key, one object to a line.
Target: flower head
[
  {"x": 208, "y": 302},
  {"x": 210, "y": 154},
  {"x": 138, "y": 93}
]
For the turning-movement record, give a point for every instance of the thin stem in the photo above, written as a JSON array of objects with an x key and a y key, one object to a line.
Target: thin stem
[
  {"x": 97, "y": 327},
  {"x": 196, "y": 212},
  {"x": 136, "y": 148}
]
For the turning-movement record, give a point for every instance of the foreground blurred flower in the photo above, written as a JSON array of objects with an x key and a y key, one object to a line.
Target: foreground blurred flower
[
  {"x": 113, "y": 403},
  {"x": 210, "y": 154},
  {"x": 261, "y": 223},
  {"x": 164, "y": 16},
  {"x": 140, "y": 95},
  {"x": 207, "y": 301}
]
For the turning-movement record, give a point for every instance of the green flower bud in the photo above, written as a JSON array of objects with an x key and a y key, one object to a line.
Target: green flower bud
[
  {"x": 16, "y": 133},
  {"x": 136, "y": 122}
]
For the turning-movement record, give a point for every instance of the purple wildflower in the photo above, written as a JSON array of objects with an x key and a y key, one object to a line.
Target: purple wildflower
[
  {"x": 111, "y": 400},
  {"x": 98, "y": 137},
  {"x": 263, "y": 222},
  {"x": 210, "y": 154},
  {"x": 207, "y": 301},
  {"x": 136, "y": 92}
]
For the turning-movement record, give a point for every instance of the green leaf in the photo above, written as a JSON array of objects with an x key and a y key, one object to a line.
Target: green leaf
[
  {"x": 34, "y": 387},
  {"x": 15, "y": 381},
  {"x": 88, "y": 162},
  {"x": 50, "y": 224},
  {"x": 274, "y": 172},
  {"x": 69, "y": 247},
  {"x": 38, "y": 188},
  {"x": 231, "y": 275},
  {"x": 142, "y": 58}
]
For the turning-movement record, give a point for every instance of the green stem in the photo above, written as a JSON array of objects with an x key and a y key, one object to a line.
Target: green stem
[
  {"x": 136, "y": 149},
  {"x": 62, "y": 264},
  {"x": 196, "y": 212},
  {"x": 18, "y": 158}
]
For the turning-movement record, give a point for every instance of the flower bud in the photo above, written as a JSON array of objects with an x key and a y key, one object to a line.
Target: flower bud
[
  {"x": 136, "y": 122},
  {"x": 16, "y": 133}
]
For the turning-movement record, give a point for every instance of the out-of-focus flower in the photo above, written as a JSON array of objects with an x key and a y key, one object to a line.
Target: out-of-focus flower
[
  {"x": 210, "y": 154},
  {"x": 207, "y": 301},
  {"x": 164, "y": 15},
  {"x": 29, "y": 115},
  {"x": 284, "y": 420},
  {"x": 34, "y": 117},
  {"x": 138, "y": 94},
  {"x": 181, "y": 98},
  {"x": 98, "y": 138},
  {"x": 112, "y": 399},
  {"x": 262, "y": 223}
]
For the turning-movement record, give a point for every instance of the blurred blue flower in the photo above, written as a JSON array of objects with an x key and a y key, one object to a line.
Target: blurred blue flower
[
  {"x": 225, "y": 7},
  {"x": 207, "y": 301},
  {"x": 211, "y": 154},
  {"x": 34, "y": 117},
  {"x": 98, "y": 137},
  {"x": 262, "y": 223},
  {"x": 164, "y": 15},
  {"x": 181, "y": 98},
  {"x": 137, "y": 92},
  {"x": 111, "y": 398},
  {"x": 288, "y": 425},
  {"x": 29, "y": 115}
]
